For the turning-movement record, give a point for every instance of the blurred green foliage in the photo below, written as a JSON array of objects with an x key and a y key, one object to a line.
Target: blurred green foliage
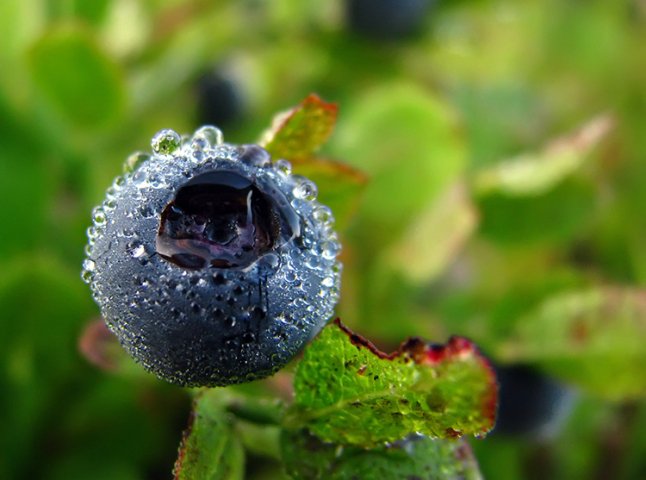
[{"x": 425, "y": 120}]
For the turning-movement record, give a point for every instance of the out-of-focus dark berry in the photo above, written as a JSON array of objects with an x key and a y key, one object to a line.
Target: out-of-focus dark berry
[
  {"x": 387, "y": 19},
  {"x": 210, "y": 262},
  {"x": 219, "y": 99},
  {"x": 530, "y": 403}
]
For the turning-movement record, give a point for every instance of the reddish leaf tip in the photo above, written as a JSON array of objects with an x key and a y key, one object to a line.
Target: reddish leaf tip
[{"x": 424, "y": 353}]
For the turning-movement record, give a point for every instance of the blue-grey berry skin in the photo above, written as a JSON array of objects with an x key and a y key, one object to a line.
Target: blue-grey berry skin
[{"x": 212, "y": 263}]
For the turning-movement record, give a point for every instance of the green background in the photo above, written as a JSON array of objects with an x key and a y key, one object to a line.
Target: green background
[{"x": 85, "y": 83}]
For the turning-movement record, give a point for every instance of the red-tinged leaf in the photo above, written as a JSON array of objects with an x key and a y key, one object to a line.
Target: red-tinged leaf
[
  {"x": 298, "y": 133},
  {"x": 101, "y": 348},
  {"x": 349, "y": 392}
]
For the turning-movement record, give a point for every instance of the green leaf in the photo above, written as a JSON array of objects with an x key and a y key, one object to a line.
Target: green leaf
[
  {"x": 94, "y": 11},
  {"x": 340, "y": 186},
  {"x": 297, "y": 134},
  {"x": 43, "y": 305},
  {"x": 305, "y": 456},
  {"x": 434, "y": 237},
  {"x": 210, "y": 448},
  {"x": 348, "y": 392},
  {"x": 530, "y": 220},
  {"x": 78, "y": 80},
  {"x": 536, "y": 173},
  {"x": 27, "y": 184},
  {"x": 406, "y": 140},
  {"x": 593, "y": 338}
]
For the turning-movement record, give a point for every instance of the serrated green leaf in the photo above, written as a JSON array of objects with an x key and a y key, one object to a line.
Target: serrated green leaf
[
  {"x": 76, "y": 78},
  {"x": 418, "y": 457},
  {"x": 210, "y": 449},
  {"x": 298, "y": 133},
  {"x": 535, "y": 173},
  {"x": 593, "y": 338},
  {"x": 348, "y": 392}
]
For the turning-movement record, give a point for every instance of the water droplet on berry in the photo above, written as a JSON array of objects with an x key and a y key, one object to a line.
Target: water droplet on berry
[
  {"x": 88, "y": 270},
  {"x": 135, "y": 249},
  {"x": 134, "y": 161},
  {"x": 255, "y": 156},
  {"x": 166, "y": 141},
  {"x": 330, "y": 249},
  {"x": 98, "y": 216},
  {"x": 210, "y": 134},
  {"x": 305, "y": 189},
  {"x": 323, "y": 215},
  {"x": 283, "y": 166}
]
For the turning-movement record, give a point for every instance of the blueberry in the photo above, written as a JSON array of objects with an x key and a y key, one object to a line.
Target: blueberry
[
  {"x": 530, "y": 403},
  {"x": 387, "y": 19},
  {"x": 219, "y": 99},
  {"x": 211, "y": 263}
]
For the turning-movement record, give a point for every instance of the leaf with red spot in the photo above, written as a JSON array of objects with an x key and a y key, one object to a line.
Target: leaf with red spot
[
  {"x": 348, "y": 392},
  {"x": 298, "y": 133}
]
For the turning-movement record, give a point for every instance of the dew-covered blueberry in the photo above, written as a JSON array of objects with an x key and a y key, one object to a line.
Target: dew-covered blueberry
[{"x": 212, "y": 263}]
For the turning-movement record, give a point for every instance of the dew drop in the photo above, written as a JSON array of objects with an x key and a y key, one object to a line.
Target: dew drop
[
  {"x": 210, "y": 134},
  {"x": 323, "y": 215},
  {"x": 330, "y": 249},
  {"x": 92, "y": 234},
  {"x": 135, "y": 249},
  {"x": 166, "y": 141},
  {"x": 98, "y": 216},
  {"x": 199, "y": 143},
  {"x": 255, "y": 156},
  {"x": 305, "y": 189},
  {"x": 109, "y": 204},
  {"x": 283, "y": 166},
  {"x": 88, "y": 270},
  {"x": 134, "y": 161},
  {"x": 139, "y": 178},
  {"x": 218, "y": 218}
]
